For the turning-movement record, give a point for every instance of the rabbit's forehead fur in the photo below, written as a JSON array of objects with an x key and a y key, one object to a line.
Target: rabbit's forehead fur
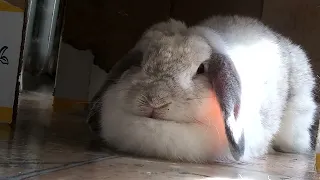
[{"x": 172, "y": 53}]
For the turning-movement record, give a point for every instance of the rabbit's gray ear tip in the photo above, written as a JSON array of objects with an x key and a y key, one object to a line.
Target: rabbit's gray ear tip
[
  {"x": 236, "y": 148},
  {"x": 93, "y": 123},
  {"x": 94, "y": 127},
  {"x": 240, "y": 148}
]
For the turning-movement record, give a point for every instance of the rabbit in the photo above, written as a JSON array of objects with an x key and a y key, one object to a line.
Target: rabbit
[{"x": 155, "y": 100}]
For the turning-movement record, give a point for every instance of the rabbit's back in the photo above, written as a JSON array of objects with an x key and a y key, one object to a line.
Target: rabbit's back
[
  {"x": 260, "y": 57},
  {"x": 275, "y": 74}
]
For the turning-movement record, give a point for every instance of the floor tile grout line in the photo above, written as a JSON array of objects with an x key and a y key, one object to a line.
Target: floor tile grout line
[
  {"x": 57, "y": 168},
  {"x": 48, "y": 163},
  {"x": 35, "y": 163},
  {"x": 255, "y": 171}
]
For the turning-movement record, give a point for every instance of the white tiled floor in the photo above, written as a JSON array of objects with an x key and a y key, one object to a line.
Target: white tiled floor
[{"x": 46, "y": 145}]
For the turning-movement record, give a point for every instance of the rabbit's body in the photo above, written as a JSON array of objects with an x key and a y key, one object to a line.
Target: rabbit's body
[
  {"x": 277, "y": 80},
  {"x": 275, "y": 94}
]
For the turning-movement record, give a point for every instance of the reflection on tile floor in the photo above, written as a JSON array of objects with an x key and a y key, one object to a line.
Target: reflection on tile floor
[{"x": 58, "y": 146}]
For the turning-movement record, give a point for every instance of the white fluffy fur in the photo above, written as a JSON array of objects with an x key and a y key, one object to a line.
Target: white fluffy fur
[{"x": 277, "y": 101}]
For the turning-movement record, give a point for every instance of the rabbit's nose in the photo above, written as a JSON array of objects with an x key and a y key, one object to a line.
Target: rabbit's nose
[
  {"x": 157, "y": 112},
  {"x": 157, "y": 103},
  {"x": 160, "y": 106}
]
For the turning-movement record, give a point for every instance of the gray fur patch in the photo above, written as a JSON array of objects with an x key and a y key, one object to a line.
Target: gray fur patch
[
  {"x": 133, "y": 58},
  {"x": 226, "y": 82}
]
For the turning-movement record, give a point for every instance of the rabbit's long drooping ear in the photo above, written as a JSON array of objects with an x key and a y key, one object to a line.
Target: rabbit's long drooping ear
[
  {"x": 226, "y": 82},
  {"x": 133, "y": 58}
]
